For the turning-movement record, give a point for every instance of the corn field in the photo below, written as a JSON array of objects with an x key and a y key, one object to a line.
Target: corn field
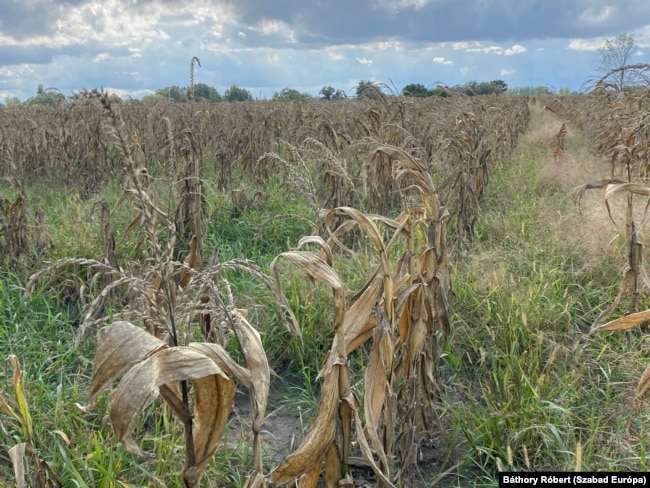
[{"x": 394, "y": 179}]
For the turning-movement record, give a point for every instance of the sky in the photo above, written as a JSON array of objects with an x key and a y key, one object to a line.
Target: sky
[{"x": 133, "y": 47}]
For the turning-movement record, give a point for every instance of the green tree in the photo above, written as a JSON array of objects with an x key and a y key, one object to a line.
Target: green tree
[
  {"x": 615, "y": 56},
  {"x": 330, "y": 93},
  {"x": 291, "y": 94},
  {"x": 368, "y": 90},
  {"x": 175, "y": 93},
  {"x": 416, "y": 90},
  {"x": 237, "y": 94},
  {"x": 205, "y": 92},
  {"x": 12, "y": 101},
  {"x": 498, "y": 86},
  {"x": 483, "y": 88},
  {"x": 49, "y": 97},
  {"x": 327, "y": 92},
  {"x": 154, "y": 98},
  {"x": 529, "y": 90}
]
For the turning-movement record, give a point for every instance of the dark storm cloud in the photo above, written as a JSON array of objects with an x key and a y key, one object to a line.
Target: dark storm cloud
[
  {"x": 344, "y": 21},
  {"x": 11, "y": 55},
  {"x": 23, "y": 19},
  {"x": 15, "y": 55},
  {"x": 319, "y": 23}
]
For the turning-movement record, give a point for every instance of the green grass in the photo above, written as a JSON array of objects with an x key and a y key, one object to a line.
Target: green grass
[{"x": 521, "y": 374}]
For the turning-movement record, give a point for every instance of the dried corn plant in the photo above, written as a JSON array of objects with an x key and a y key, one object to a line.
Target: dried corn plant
[
  {"x": 623, "y": 135},
  {"x": 195, "y": 60},
  {"x": 13, "y": 223},
  {"x": 635, "y": 282},
  {"x": 403, "y": 306},
  {"x": 297, "y": 173},
  {"x": 328, "y": 441},
  {"x": 24, "y": 239},
  {"x": 406, "y": 314},
  {"x": 67, "y": 143},
  {"x": 630, "y": 322},
  {"x": 169, "y": 298}
]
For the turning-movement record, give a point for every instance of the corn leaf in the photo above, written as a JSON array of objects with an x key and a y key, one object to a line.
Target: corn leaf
[
  {"x": 139, "y": 387},
  {"x": 214, "y": 395},
  {"x": 17, "y": 455},
  {"x": 251, "y": 346},
  {"x": 624, "y": 323},
  {"x": 23, "y": 407},
  {"x": 317, "y": 441},
  {"x": 119, "y": 345},
  {"x": 644, "y": 382}
]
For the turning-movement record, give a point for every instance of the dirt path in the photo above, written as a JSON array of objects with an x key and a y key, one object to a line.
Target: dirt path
[{"x": 586, "y": 228}]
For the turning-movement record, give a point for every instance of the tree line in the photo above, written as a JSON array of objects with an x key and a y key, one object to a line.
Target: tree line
[{"x": 204, "y": 92}]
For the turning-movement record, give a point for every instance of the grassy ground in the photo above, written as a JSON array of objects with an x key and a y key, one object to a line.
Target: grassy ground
[{"x": 525, "y": 387}]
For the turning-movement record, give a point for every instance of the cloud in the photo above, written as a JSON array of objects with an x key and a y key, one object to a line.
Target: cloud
[
  {"x": 58, "y": 23},
  {"x": 396, "y": 6},
  {"x": 365, "y": 61},
  {"x": 507, "y": 72},
  {"x": 269, "y": 27},
  {"x": 388, "y": 45},
  {"x": 442, "y": 60},
  {"x": 333, "y": 54},
  {"x": 591, "y": 16},
  {"x": 586, "y": 44},
  {"x": 101, "y": 57},
  {"x": 516, "y": 49},
  {"x": 477, "y": 47},
  {"x": 464, "y": 45},
  {"x": 16, "y": 71}
]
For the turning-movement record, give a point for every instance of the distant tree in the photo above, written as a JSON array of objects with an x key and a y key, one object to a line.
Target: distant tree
[
  {"x": 330, "y": 93},
  {"x": 182, "y": 94},
  {"x": 12, "y": 101},
  {"x": 237, "y": 94},
  {"x": 154, "y": 98},
  {"x": 440, "y": 91},
  {"x": 420, "y": 91},
  {"x": 565, "y": 90},
  {"x": 205, "y": 92},
  {"x": 483, "y": 88},
  {"x": 368, "y": 90},
  {"x": 291, "y": 94},
  {"x": 616, "y": 54},
  {"x": 175, "y": 93},
  {"x": 327, "y": 92},
  {"x": 416, "y": 90},
  {"x": 529, "y": 90},
  {"x": 498, "y": 86},
  {"x": 49, "y": 97}
]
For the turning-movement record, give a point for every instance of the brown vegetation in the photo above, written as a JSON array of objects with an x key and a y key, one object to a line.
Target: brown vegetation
[{"x": 399, "y": 172}]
